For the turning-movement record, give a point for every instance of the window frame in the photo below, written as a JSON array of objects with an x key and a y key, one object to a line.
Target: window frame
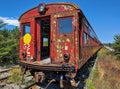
[
  {"x": 23, "y": 28},
  {"x": 58, "y": 25},
  {"x": 85, "y": 37}
]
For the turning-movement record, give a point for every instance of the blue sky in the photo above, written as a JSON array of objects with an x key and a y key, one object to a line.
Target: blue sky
[{"x": 103, "y": 15}]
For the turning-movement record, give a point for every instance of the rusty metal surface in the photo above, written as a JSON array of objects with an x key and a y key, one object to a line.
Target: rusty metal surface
[
  {"x": 72, "y": 43},
  {"x": 58, "y": 41},
  {"x": 50, "y": 67},
  {"x": 53, "y": 9},
  {"x": 39, "y": 77},
  {"x": 32, "y": 86}
]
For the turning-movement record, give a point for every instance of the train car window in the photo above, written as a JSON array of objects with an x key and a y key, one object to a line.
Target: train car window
[
  {"x": 85, "y": 38},
  {"x": 65, "y": 25},
  {"x": 26, "y": 28},
  {"x": 45, "y": 42},
  {"x": 93, "y": 35}
]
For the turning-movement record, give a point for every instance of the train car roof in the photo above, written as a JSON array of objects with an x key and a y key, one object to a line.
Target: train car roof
[
  {"x": 76, "y": 7},
  {"x": 56, "y": 3}
]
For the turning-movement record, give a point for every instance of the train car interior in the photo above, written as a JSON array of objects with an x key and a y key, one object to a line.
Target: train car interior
[{"x": 44, "y": 29}]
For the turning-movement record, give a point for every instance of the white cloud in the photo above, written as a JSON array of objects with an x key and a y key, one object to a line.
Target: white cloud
[{"x": 10, "y": 21}]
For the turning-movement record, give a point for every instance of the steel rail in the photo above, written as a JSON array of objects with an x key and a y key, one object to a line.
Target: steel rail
[{"x": 30, "y": 86}]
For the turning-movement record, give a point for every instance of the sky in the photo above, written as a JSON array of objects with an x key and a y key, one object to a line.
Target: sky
[{"x": 103, "y": 15}]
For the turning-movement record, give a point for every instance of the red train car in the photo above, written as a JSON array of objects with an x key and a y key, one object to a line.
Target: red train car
[{"x": 56, "y": 40}]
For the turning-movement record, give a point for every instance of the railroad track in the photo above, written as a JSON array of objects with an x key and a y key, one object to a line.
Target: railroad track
[
  {"x": 55, "y": 85},
  {"x": 3, "y": 81},
  {"x": 5, "y": 74},
  {"x": 44, "y": 85},
  {"x": 30, "y": 86}
]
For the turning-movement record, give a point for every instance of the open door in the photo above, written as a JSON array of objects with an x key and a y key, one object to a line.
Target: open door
[{"x": 44, "y": 37}]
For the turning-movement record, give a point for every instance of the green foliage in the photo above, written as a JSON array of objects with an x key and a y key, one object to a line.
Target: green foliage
[
  {"x": 90, "y": 84},
  {"x": 116, "y": 45},
  {"x": 2, "y": 24},
  {"x": 9, "y": 45},
  {"x": 101, "y": 53},
  {"x": 95, "y": 72},
  {"x": 15, "y": 78}
]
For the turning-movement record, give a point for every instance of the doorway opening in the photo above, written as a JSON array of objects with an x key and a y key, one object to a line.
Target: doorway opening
[{"x": 45, "y": 38}]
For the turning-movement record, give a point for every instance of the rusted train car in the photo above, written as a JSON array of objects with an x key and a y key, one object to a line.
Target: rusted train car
[{"x": 56, "y": 40}]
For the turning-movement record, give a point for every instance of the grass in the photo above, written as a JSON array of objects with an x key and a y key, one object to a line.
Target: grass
[
  {"x": 16, "y": 77},
  {"x": 106, "y": 73}
]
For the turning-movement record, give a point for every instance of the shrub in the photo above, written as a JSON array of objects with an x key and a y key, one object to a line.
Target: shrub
[{"x": 116, "y": 46}]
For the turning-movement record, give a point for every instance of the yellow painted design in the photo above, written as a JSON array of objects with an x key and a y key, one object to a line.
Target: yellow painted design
[
  {"x": 60, "y": 55},
  {"x": 55, "y": 16},
  {"x": 68, "y": 40},
  {"x": 27, "y": 38},
  {"x": 54, "y": 22},
  {"x": 28, "y": 53},
  {"x": 59, "y": 40}
]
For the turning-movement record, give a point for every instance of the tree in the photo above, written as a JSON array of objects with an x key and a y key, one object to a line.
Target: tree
[
  {"x": 116, "y": 45},
  {"x": 2, "y": 24},
  {"x": 15, "y": 46},
  {"x": 9, "y": 45}
]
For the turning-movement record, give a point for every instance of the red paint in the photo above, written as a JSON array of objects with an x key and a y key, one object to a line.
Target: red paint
[{"x": 74, "y": 41}]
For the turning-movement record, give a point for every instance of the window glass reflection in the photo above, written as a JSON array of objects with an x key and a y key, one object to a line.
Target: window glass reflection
[
  {"x": 65, "y": 25},
  {"x": 26, "y": 29}
]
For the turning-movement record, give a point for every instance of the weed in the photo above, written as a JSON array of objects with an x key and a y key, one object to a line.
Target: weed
[
  {"x": 15, "y": 78},
  {"x": 90, "y": 84}
]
